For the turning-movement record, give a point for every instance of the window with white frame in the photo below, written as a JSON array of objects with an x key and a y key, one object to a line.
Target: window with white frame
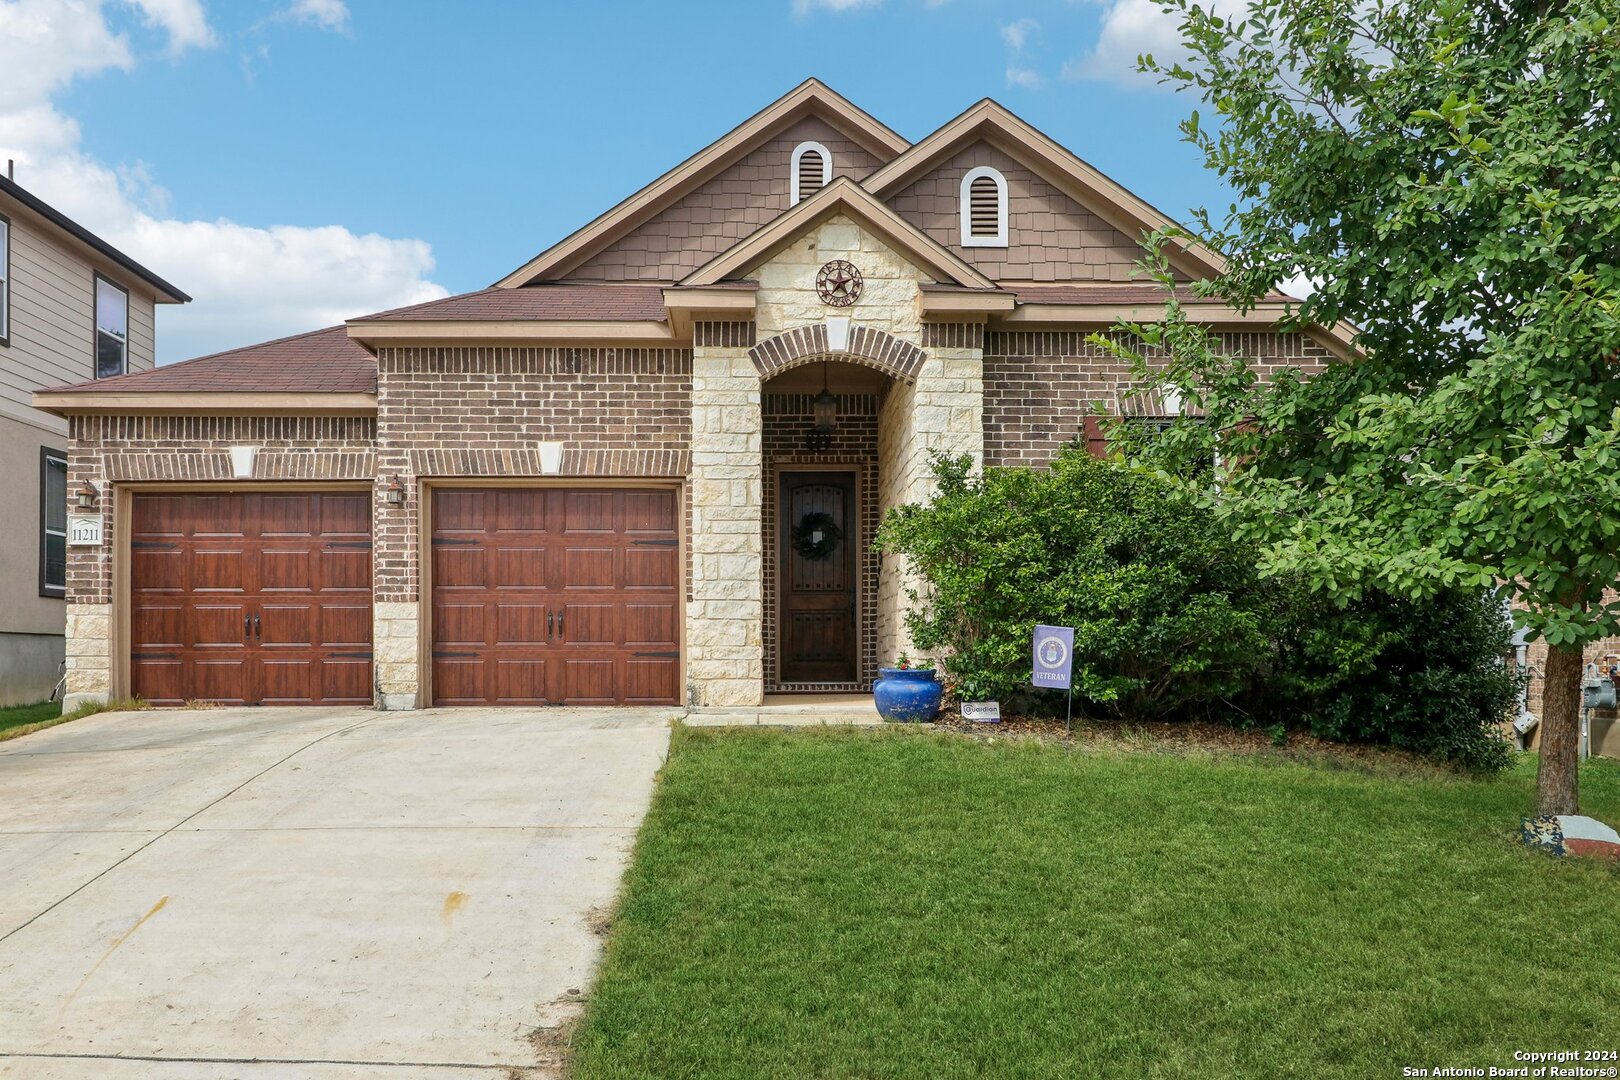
[
  {"x": 5, "y": 280},
  {"x": 984, "y": 208},
  {"x": 112, "y": 329},
  {"x": 52, "y": 523},
  {"x": 811, "y": 170}
]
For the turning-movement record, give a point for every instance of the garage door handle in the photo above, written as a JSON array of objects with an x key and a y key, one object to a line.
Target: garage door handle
[
  {"x": 258, "y": 631},
  {"x": 559, "y": 624},
  {"x": 551, "y": 623},
  {"x": 247, "y": 626}
]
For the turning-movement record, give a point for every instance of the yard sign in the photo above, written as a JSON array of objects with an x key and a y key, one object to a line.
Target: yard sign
[{"x": 1053, "y": 654}]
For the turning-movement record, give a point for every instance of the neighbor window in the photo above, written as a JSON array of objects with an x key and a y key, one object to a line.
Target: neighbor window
[
  {"x": 112, "y": 329},
  {"x": 5, "y": 280},
  {"x": 52, "y": 523},
  {"x": 984, "y": 208},
  {"x": 812, "y": 169}
]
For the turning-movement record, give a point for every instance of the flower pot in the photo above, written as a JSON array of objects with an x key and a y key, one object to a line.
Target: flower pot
[{"x": 907, "y": 695}]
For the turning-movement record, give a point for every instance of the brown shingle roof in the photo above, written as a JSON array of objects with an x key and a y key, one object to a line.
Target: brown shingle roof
[
  {"x": 543, "y": 303},
  {"x": 319, "y": 362},
  {"x": 1135, "y": 293}
]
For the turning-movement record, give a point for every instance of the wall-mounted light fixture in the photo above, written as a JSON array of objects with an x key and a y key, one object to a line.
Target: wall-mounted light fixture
[
  {"x": 86, "y": 495},
  {"x": 394, "y": 493}
]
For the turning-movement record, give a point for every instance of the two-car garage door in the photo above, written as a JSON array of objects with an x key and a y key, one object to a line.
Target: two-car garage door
[{"x": 559, "y": 596}]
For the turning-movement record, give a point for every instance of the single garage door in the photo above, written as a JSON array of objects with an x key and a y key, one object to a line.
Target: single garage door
[
  {"x": 251, "y": 599},
  {"x": 559, "y": 596}
]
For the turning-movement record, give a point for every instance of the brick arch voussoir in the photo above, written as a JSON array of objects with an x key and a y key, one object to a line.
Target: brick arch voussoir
[{"x": 868, "y": 346}]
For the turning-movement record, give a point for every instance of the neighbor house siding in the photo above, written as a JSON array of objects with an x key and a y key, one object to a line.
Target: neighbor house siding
[
  {"x": 722, "y": 211},
  {"x": 1050, "y": 237},
  {"x": 1040, "y": 385}
]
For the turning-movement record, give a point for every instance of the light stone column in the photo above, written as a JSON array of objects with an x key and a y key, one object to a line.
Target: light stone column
[
  {"x": 725, "y": 662},
  {"x": 395, "y": 636},
  {"x": 88, "y": 650},
  {"x": 942, "y": 413}
]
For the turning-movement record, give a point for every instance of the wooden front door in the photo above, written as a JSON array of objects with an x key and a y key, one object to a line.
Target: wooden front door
[
  {"x": 819, "y": 538},
  {"x": 257, "y": 598},
  {"x": 556, "y": 596}
]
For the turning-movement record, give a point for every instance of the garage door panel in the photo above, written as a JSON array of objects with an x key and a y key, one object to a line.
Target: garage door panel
[
  {"x": 456, "y": 567},
  {"x": 158, "y": 569},
  {"x": 521, "y": 624},
  {"x": 586, "y": 513},
  {"x": 285, "y": 570},
  {"x": 588, "y": 568},
  {"x": 459, "y": 680},
  {"x": 459, "y": 511},
  {"x": 651, "y": 567},
  {"x": 228, "y": 597},
  {"x": 344, "y": 570},
  {"x": 284, "y": 515},
  {"x": 651, "y": 625},
  {"x": 219, "y": 570},
  {"x": 345, "y": 626},
  {"x": 649, "y": 512},
  {"x": 519, "y": 511},
  {"x": 590, "y": 624},
  {"x": 520, "y": 567},
  {"x": 588, "y": 680},
  {"x": 521, "y": 681},
  {"x": 651, "y": 681},
  {"x": 457, "y": 625}
]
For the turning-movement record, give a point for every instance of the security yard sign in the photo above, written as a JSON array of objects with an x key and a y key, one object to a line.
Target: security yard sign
[{"x": 1054, "y": 657}]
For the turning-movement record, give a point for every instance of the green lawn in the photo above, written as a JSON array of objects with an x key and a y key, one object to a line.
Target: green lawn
[
  {"x": 14, "y": 719},
  {"x": 900, "y": 904}
]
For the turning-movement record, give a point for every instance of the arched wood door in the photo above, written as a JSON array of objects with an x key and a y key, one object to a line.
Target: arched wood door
[{"x": 816, "y": 594}]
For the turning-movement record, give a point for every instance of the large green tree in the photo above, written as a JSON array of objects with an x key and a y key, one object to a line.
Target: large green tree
[{"x": 1447, "y": 173}]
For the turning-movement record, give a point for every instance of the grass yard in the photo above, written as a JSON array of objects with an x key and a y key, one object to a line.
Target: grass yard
[
  {"x": 16, "y": 720},
  {"x": 901, "y": 904}
]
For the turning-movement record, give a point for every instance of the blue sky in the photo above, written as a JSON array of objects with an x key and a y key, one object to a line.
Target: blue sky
[{"x": 291, "y": 162}]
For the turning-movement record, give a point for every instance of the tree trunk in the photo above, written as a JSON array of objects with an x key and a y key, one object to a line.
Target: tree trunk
[{"x": 1557, "y": 780}]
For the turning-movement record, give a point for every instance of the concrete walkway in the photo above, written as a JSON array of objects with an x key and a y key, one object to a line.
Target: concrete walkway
[{"x": 313, "y": 894}]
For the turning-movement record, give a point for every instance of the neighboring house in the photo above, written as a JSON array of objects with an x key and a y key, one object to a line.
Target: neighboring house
[
  {"x": 72, "y": 307},
  {"x": 644, "y": 467}
]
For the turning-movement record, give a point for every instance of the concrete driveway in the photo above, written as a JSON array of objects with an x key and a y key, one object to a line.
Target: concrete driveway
[{"x": 310, "y": 893}]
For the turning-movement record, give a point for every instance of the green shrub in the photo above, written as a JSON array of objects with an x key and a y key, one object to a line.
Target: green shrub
[
  {"x": 1427, "y": 676},
  {"x": 1167, "y": 614},
  {"x": 1172, "y": 619}
]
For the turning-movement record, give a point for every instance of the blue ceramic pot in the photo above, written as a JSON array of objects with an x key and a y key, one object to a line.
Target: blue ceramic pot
[{"x": 907, "y": 696}]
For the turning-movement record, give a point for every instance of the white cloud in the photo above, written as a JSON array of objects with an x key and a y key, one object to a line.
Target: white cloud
[
  {"x": 326, "y": 14},
  {"x": 1022, "y": 76},
  {"x": 1015, "y": 34},
  {"x": 249, "y": 282},
  {"x": 1129, "y": 29}
]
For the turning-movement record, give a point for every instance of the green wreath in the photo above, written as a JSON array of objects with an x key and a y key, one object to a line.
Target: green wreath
[{"x": 804, "y": 536}]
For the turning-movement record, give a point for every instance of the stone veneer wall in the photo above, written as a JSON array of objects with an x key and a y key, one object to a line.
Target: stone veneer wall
[
  {"x": 1039, "y": 385},
  {"x": 483, "y": 412},
  {"x": 106, "y": 450},
  {"x": 787, "y": 282},
  {"x": 943, "y": 412},
  {"x": 787, "y": 417},
  {"x": 725, "y": 614}
]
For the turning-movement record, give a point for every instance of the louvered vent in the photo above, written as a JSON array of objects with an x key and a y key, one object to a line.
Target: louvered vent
[
  {"x": 812, "y": 174},
  {"x": 984, "y": 207}
]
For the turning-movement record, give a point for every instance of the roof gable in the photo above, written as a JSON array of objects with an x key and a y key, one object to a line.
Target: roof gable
[
  {"x": 812, "y": 98},
  {"x": 841, "y": 196},
  {"x": 990, "y": 122}
]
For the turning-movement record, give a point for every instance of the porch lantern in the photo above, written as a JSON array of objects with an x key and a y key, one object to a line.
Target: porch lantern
[
  {"x": 86, "y": 495},
  {"x": 823, "y": 415},
  {"x": 394, "y": 493}
]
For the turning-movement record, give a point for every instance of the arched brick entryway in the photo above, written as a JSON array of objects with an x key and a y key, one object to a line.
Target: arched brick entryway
[{"x": 865, "y": 345}]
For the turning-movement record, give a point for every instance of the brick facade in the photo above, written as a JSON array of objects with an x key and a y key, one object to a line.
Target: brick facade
[{"x": 1039, "y": 385}]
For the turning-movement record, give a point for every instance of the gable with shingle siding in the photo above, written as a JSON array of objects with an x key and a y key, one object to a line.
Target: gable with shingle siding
[
  {"x": 721, "y": 211},
  {"x": 1050, "y": 237}
]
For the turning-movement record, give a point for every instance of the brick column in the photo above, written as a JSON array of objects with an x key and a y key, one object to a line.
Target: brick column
[
  {"x": 725, "y": 610},
  {"x": 943, "y": 411},
  {"x": 395, "y": 560}
]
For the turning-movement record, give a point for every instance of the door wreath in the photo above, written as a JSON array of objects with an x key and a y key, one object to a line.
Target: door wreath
[{"x": 816, "y": 536}]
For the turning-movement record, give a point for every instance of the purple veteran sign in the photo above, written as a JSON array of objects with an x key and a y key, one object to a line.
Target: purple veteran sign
[{"x": 1054, "y": 657}]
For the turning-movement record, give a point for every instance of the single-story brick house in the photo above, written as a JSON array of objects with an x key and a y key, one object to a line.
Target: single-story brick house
[{"x": 645, "y": 466}]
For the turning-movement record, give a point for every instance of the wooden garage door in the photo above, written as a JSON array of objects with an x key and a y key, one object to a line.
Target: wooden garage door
[
  {"x": 567, "y": 597},
  {"x": 251, "y": 599}
]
